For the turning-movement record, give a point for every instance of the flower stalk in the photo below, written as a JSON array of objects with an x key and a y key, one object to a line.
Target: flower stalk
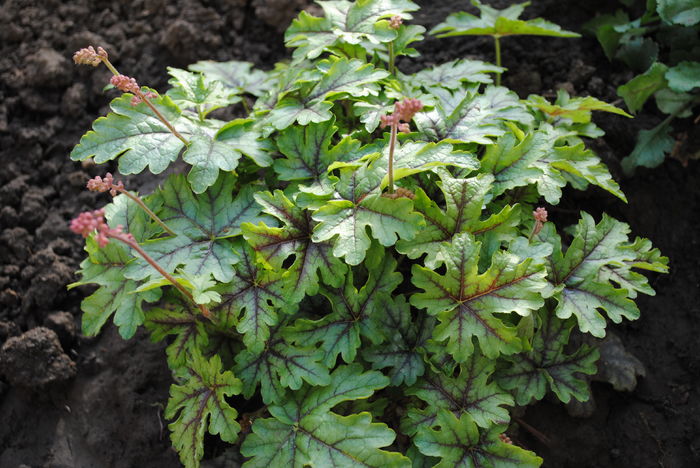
[
  {"x": 90, "y": 222},
  {"x": 99, "y": 184},
  {"x": 403, "y": 111},
  {"x": 88, "y": 56}
]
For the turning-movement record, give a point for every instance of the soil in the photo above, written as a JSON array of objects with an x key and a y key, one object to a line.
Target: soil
[{"x": 70, "y": 401}]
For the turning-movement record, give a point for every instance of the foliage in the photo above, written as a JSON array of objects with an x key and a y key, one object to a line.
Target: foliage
[
  {"x": 661, "y": 48},
  {"x": 374, "y": 299}
]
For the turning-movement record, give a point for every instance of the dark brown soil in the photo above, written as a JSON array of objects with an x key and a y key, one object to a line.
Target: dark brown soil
[{"x": 68, "y": 401}]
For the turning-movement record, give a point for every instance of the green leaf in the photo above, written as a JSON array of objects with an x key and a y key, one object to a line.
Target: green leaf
[
  {"x": 106, "y": 267},
  {"x": 685, "y": 76},
  {"x": 673, "y": 103},
  {"x": 199, "y": 405},
  {"x": 453, "y": 75},
  {"x": 467, "y": 392},
  {"x": 651, "y": 148},
  {"x": 207, "y": 156},
  {"x": 574, "y": 275},
  {"x": 255, "y": 294},
  {"x": 345, "y": 22},
  {"x": 304, "y": 432},
  {"x": 537, "y": 160},
  {"x": 180, "y": 318},
  {"x": 194, "y": 91},
  {"x": 469, "y": 117},
  {"x": 308, "y": 153},
  {"x": 135, "y": 135},
  {"x": 242, "y": 136},
  {"x": 683, "y": 12},
  {"x": 358, "y": 204},
  {"x": 280, "y": 365},
  {"x": 460, "y": 443},
  {"x": 636, "y": 91},
  {"x": 404, "y": 339},
  {"x": 340, "y": 77},
  {"x": 497, "y": 23},
  {"x": 465, "y": 301},
  {"x": 641, "y": 255},
  {"x": 415, "y": 157},
  {"x": 529, "y": 374},
  {"x": 465, "y": 201},
  {"x": 353, "y": 313},
  {"x": 203, "y": 224},
  {"x": 577, "y": 109},
  {"x": 238, "y": 77},
  {"x": 275, "y": 244}
]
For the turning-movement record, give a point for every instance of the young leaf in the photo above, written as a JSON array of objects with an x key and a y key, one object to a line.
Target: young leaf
[
  {"x": 280, "y": 364},
  {"x": 465, "y": 200},
  {"x": 275, "y": 244},
  {"x": 453, "y": 75},
  {"x": 357, "y": 205},
  {"x": 460, "y": 443},
  {"x": 199, "y": 405},
  {"x": 136, "y": 136},
  {"x": 636, "y": 91},
  {"x": 255, "y": 292},
  {"x": 547, "y": 365},
  {"x": 497, "y": 23},
  {"x": 465, "y": 301},
  {"x": 469, "y": 117},
  {"x": 353, "y": 312},
  {"x": 574, "y": 275},
  {"x": 194, "y": 91},
  {"x": 304, "y": 432},
  {"x": 345, "y": 22},
  {"x": 651, "y": 148},
  {"x": 469, "y": 392},
  {"x": 203, "y": 224},
  {"x": 237, "y": 77},
  {"x": 683, "y": 12},
  {"x": 404, "y": 339},
  {"x": 577, "y": 109},
  {"x": 340, "y": 77},
  {"x": 685, "y": 76}
]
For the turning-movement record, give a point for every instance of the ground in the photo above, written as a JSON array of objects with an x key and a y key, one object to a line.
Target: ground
[{"x": 70, "y": 401}]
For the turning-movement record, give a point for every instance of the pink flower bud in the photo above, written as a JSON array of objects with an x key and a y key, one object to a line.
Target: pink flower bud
[
  {"x": 406, "y": 109},
  {"x": 395, "y": 22},
  {"x": 93, "y": 221},
  {"x": 98, "y": 184},
  {"x": 125, "y": 84},
  {"x": 540, "y": 214},
  {"x": 136, "y": 100},
  {"x": 404, "y": 128},
  {"x": 88, "y": 56}
]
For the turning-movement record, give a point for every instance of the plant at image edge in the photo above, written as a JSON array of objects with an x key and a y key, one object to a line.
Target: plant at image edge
[{"x": 348, "y": 282}]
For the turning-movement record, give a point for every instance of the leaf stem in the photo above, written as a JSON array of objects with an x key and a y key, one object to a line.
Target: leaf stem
[
  {"x": 497, "y": 46},
  {"x": 392, "y": 144},
  {"x": 145, "y": 99},
  {"x": 392, "y": 58},
  {"x": 148, "y": 211},
  {"x": 128, "y": 240}
]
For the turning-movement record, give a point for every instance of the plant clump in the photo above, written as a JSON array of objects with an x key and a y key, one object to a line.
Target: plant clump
[{"x": 374, "y": 300}]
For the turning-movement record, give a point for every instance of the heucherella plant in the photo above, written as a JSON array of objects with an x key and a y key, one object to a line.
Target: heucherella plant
[{"x": 377, "y": 279}]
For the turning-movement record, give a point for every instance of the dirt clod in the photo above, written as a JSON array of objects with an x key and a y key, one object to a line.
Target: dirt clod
[{"x": 35, "y": 360}]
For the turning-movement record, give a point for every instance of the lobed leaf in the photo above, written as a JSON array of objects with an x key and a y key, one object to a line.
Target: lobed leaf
[
  {"x": 465, "y": 301},
  {"x": 304, "y": 432},
  {"x": 547, "y": 365},
  {"x": 199, "y": 405}
]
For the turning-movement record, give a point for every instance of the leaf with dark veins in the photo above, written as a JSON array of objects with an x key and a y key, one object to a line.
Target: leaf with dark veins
[
  {"x": 274, "y": 245},
  {"x": 465, "y": 301},
  {"x": 199, "y": 405},
  {"x": 203, "y": 224}
]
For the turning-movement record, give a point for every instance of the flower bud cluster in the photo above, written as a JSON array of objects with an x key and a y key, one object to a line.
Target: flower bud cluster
[
  {"x": 540, "y": 215},
  {"x": 88, "y": 222},
  {"x": 403, "y": 111},
  {"x": 395, "y": 22},
  {"x": 88, "y": 56},
  {"x": 98, "y": 184},
  {"x": 125, "y": 84}
]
